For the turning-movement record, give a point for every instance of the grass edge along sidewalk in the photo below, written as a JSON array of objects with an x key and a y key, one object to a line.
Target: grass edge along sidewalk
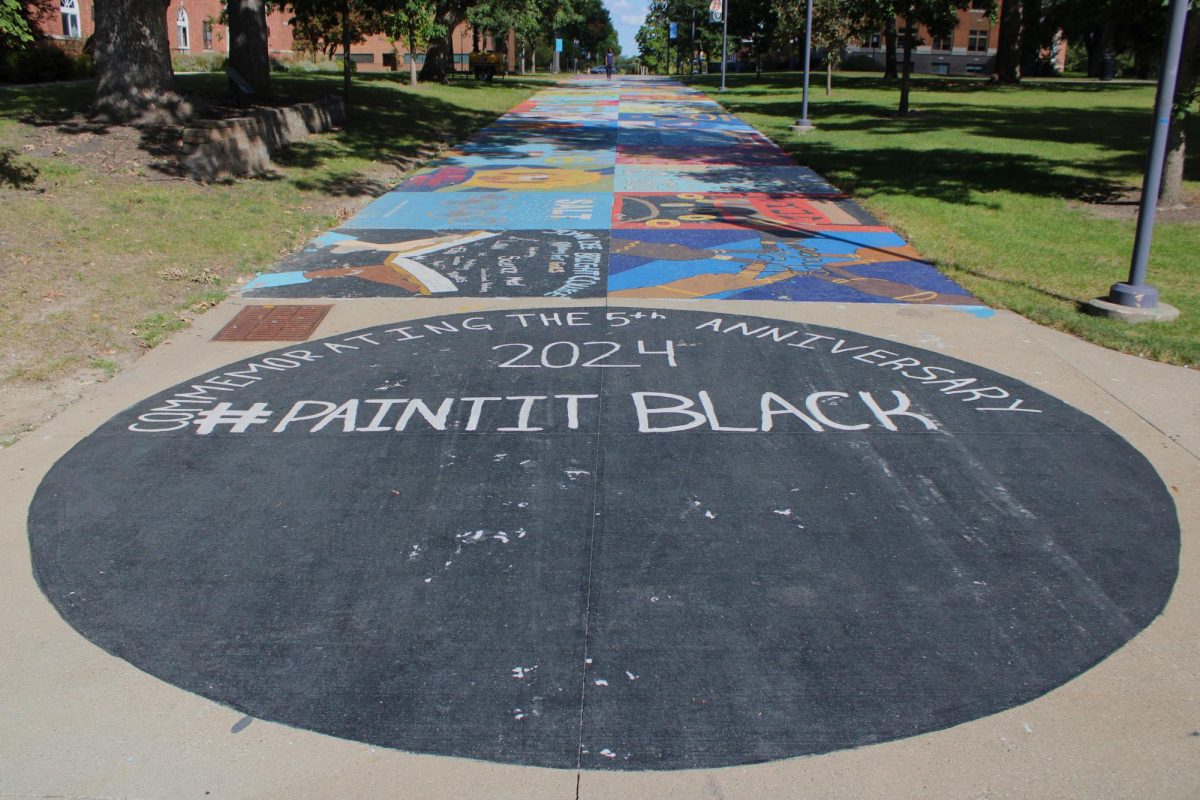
[
  {"x": 1026, "y": 196},
  {"x": 103, "y": 255}
]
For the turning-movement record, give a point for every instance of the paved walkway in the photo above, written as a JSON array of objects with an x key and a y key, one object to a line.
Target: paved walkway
[
  {"x": 633, "y": 188},
  {"x": 511, "y": 524}
]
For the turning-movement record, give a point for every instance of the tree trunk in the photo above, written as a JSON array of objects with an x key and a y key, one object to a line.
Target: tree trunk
[
  {"x": 412, "y": 60},
  {"x": 347, "y": 64},
  {"x": 828, "y": 76},
  {"x": 906, "y": 78},
  {"x": 1185, "y": 92},
  {"x": 439, "y": 55},
  {"x": 248, "y": 44},
  {"x": 1032, "y": 37},
  {"x": 889, "y": 38},
  {"x": 1012, "y": 32},
  {"x": 134, "y": 79}
]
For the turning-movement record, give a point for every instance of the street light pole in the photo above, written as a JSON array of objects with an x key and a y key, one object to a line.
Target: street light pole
[
  {"x": 803, "y": 124},
  {"x": 692, "y": 45},
  {"x": 1136, "y": 300},
  {"x": 724, "y": 37}
]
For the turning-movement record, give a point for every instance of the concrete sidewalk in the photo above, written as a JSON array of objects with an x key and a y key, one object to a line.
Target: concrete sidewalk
[{"x": 163, "y": 516}]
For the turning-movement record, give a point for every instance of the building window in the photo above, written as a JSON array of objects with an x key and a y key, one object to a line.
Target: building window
[
  {"x": 939, "y": 68},
  {"x": 181, "y": 26},
  {"x": 941, "y": 43},
  {"x": 69, "y": 11},
  {"x": 206, "y": 34},
  {"x": 977, "y": 41},
  {"x": 973, "y": 69}
]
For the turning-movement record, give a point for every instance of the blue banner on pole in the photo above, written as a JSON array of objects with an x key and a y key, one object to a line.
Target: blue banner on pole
[
  {"x": 558, "y": 45},
  {"x": 674, "y": 30}
]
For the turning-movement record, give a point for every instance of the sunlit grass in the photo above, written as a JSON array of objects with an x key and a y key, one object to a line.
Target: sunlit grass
[{"x": 989, "y": 183}]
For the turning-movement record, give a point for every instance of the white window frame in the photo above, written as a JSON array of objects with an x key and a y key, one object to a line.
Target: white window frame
[
  {"x": 69, "y": 13},
  {"x": 182, "y": 29}
]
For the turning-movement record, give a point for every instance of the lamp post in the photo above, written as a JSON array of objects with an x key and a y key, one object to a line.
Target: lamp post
[
  {"x": 1136, "y": 300},
  {"x": 724, "y": 37},
  {"x": 803, "y": 124},
  {"x": 692, "y": 45}
]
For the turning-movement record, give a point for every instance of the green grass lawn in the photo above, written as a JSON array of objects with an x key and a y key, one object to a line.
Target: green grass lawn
[
  {"x": 990, "y": 183},
  {"x": 102, "y": 254}
]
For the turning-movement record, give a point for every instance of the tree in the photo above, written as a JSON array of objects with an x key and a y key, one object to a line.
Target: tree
[
  {"x": 248, "y": 53},
  {"x": 327, "y": 25},
  {"x": 834, "y": 25},
  {"x": 1009, "y": 50},
  {"x": 939, "y": 17},
  {"x": 411, "y": 21},
  {"x": 18, "y": 22},
  {"x": 134, "y": 79},
  {"x": 1186, "y": 92}
]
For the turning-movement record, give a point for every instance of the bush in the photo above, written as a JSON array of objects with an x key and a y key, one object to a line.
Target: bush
[
  {"x": 307, "y": 65},
  {"x": 860, "y": 62},
  {"x": 43, "y": 62},
  {"x": 198, "y": 62}
]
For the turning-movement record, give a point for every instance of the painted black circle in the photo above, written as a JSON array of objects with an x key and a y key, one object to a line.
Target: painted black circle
[{"x": 916, "y": 541}]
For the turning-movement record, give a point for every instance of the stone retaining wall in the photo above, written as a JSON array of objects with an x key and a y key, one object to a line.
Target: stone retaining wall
[{"x": 215, "y": 149}]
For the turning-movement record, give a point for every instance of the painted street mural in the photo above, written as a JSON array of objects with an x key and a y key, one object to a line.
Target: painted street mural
[
  {"x": 471, "y": 535},
  {"x": 686, "y": 200},
  {"x": 474, "y": 263}
]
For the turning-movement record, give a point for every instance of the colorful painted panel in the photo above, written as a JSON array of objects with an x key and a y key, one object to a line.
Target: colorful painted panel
[
  {"x": 746, "y": 264},
  {"x": 544, "y": 154},
  {"x": 438, "y": 263},
  {"x": 510, "y": 178},
  {"x": 698, "y": 204},
  {"x": 731, "y": 178},
  {"x": 771, "y": 212},
  {"x": 493, "y": 210}
]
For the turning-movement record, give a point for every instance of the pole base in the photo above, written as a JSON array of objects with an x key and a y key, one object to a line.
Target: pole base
[
  {"x": 1105, "y": 307},
  {"x": 803, "y": 126},
  {"x": 1126, "y": 294}
]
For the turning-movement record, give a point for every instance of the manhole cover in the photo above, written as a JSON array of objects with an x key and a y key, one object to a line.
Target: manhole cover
[
  {"x": 272, "y": 324},
  {"x": 613, "y": 538}
]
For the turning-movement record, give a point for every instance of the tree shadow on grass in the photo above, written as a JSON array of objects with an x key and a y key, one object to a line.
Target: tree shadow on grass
[
  {"x": 386, "y": 125},
  {"x": 1121, "y": 131},
  {"x": 15, "y": 174},
  {"x": 950, "y": 175},
  {"x": 792, "y": 82}
]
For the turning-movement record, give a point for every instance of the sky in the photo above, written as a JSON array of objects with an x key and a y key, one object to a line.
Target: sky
[{"x": 627, "y": 17}]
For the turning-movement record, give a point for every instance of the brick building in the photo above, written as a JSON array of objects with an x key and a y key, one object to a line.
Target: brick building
[
  {"x": 969, "y": 50},
  {"x": 194, "y": 27}
]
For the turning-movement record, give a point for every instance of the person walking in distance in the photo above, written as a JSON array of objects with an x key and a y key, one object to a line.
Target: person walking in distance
[{"x": 608, "y": 63}]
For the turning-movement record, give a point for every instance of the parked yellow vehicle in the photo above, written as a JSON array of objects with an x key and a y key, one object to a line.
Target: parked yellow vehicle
[{"x": 486, "y": 65}]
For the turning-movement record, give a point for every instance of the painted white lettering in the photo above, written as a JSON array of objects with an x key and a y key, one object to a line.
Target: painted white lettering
[
  {"x": 768, "y": 412},
  {"x": 527, "y": 402},
  {"x": 901, "y": 410},
  {"x": 435, "y": 419},
  {"x": 806, "y": 344},
  {"x": 296, "y": 413},
  {"x": 813, "y": 404},
  {"x": 476, "y": 324},
  {"x": 573, "y": 407},
  {"x": 870, "y": 354},
  {"x": 347, "y": 412},
  {"x": 714, "y": 423},
  {"x": 376, "y": 423},
  {"x": 477, "y": 409},
  {"x": 405, "y": 334},
  {"x": 682, "y": 406}
]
